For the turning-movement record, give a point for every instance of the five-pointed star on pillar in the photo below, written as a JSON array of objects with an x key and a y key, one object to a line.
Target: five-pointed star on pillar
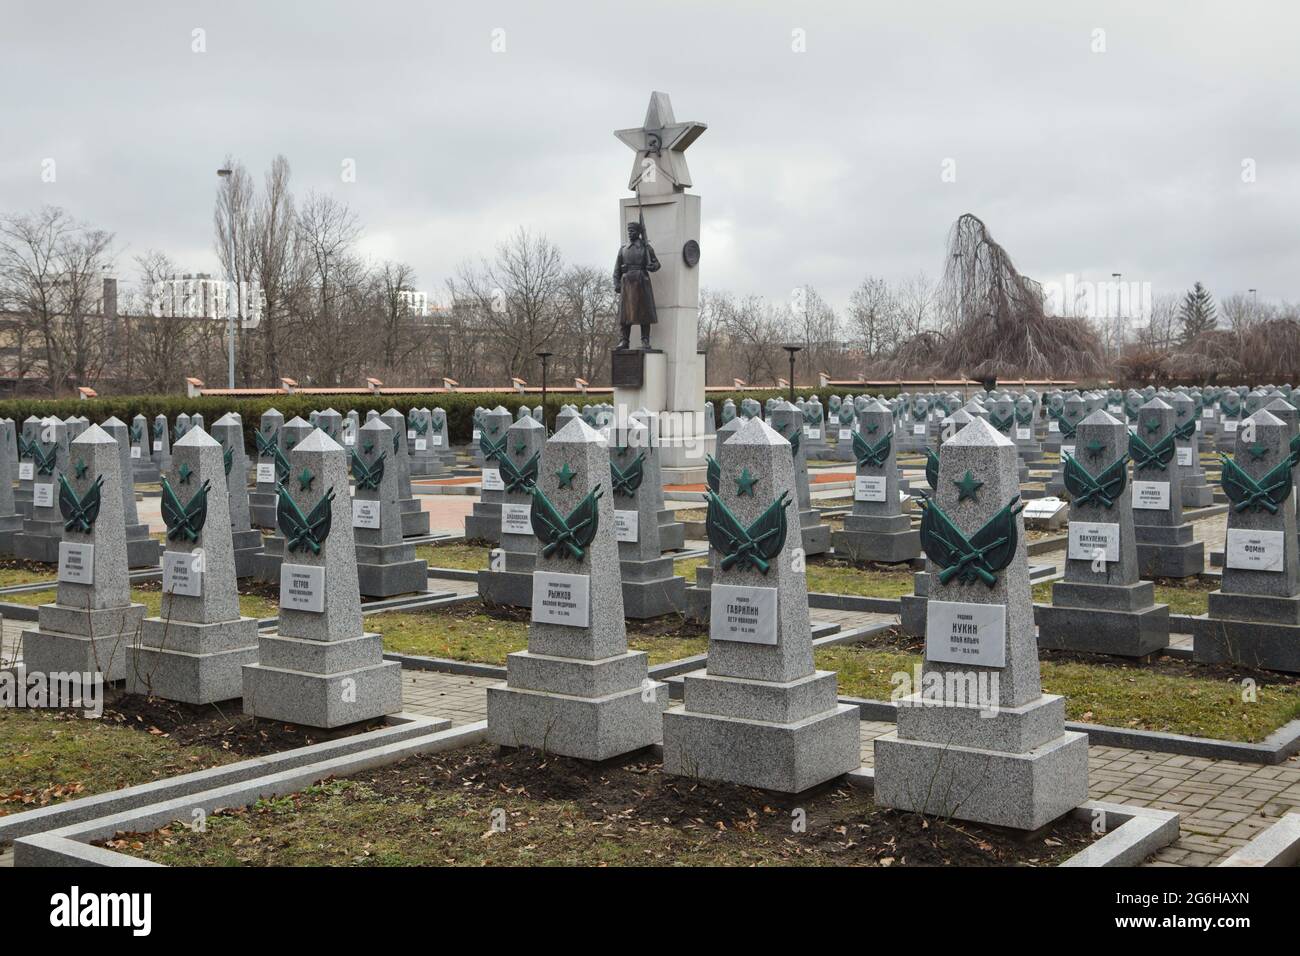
[
  {"x": 1153, "y": 425},
  {"x": 1257, "y": 452},
  {"x": 184, "y": 473},
  {"x": 662, "y": 137},
  {"x": 1095, "y": 448},
  {"x": 967, "y": 487},
  {"x": 305, "y": 478},
  {"x": 565, "y": 476},
  {"x": 745, "y": 483},
  {"x": 80, "y": 467}
]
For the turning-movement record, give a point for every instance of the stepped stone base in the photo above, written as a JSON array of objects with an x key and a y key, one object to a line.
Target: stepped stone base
[
  {"x": 652, "y": 598},
  {"x": 786, "y": 736},
  {"x": 415, "y": 523},
  {"x": 10, "y": 525},
  {"x": 1274, "y": 647},
  {"x": 672, "y": 533},
  {"x": 39, "y": 540},
  {"x": 816, "y": 538},
  {"x": 386, "y": 570},
  {"x": 1171, "y": 560},
  {"x": 248, "y": 550},
  {"x": 484, "y": 524},
  {"x": 587, "y": 728},
  {"x": 1095, "y": 631},
  {"x": 510, "y": 588},
  {"x": 142, "y": 549},
  {"x": 322, "y": 683},
  {"x": 1021, "y": 790},
  {"x": 62, "y": 641},
  {"x": 1197, "y": 496},
  {"x": 889, "y": 540},
  {"x": 261, "y": 509},
  {"x": 193, "y": 663}
]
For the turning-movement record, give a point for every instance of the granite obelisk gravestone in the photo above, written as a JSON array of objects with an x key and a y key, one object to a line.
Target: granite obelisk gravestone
[
  {"x": 760, "y": 714},
  {"x": 1102, "y": 606},
  {"x": 385, "y": 566},
  {"x": 92, "y": 621},
  {"x": 577, "y": 691},
  {"x": 195, "y": 650},
  {"x": 320, "y": 668},
  {"x": 509, "y": 578},
  {"x": 978, "y": 739}
]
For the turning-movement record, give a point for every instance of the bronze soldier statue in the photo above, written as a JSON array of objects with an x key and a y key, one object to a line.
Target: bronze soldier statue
[{"x": 636, "y": 305}]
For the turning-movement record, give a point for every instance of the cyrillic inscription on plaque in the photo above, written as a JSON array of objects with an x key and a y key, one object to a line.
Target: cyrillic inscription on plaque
[
  {"x": 627, "y": 526},
  {"x": 742, "y": 613},
  {"x": 492, "y": 480},
  {"x": 1254, "y": 550},
  {"x": 182, "y": 573},
  {"x": 962, "y": 633},
  {"x": 561, "y": 598},
  {"x": 516, "y": 519},
  {"x": 366, "y": 514},
  {"x": 869, "y": 488},
  {"x": 1087, "y": 538},
  {"x": 1151, "y": 495},
  {"x": 302, "y": 587},
  {"x": 76, "y": 563}
]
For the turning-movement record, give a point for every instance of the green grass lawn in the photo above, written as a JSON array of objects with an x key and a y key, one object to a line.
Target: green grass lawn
[
  {"x": 27, "y": 575},
  {"x": 1185, "y": 597},
  {"x": 249, "y": 605},
  {"x": 1116, "y": 696},
  {"x": 831, "y": 578},
  {"x": 468, "y": 633},
  {"x": 465, "y": 557},
  {"x": 47, "y": 757}
]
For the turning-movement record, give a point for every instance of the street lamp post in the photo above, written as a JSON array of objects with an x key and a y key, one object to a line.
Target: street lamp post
[
  {"x": 1119, "y": 304},
  {"x": 792, "y": 349},
  {"x": 239, "y": 307},
  {"x": 544, "y": 356}
]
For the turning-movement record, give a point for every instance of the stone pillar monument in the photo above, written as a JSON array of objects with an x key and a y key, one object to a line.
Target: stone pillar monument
[{"x": 669, "y": 376}]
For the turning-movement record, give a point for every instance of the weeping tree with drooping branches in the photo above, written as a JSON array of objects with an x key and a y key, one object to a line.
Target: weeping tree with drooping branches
[{"x": 999, "y": 328}]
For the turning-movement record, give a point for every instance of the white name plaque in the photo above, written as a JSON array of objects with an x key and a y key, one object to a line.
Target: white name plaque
[
  {"x": 43, "y": 495},
  {"x": 964, "y": 633},
  {"x": 745, "y": 614},
  {"x": 1254, "y": 550},
  {"x": 627, "y": 526},
  {"x": 869, "y": 488},
  {"x": 516, "y": 519},
  {"x": 366, "y": 514},
  {"x": 1024, "y": 434},
  {"x": 302, "y": 587},
  {"x": 1087, "y": 537},
  {"x": 266, "y": 473},
  {"x": 135, "y": 451},
  {"x": 492, "y": 480},
  {"x": 1151, "y": 495},
  {"x": 182, "y": 573},
  {"x": 26, "y": 471},
  {"x": 1185, "y": 458},
  {"x": 561, "y": 598},
  {"x": 76, "y": 563}
]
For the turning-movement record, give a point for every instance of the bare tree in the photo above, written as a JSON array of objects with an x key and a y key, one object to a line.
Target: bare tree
[
  {"x": 52, "y": 273},
  {"x": 589, "y": 329}
]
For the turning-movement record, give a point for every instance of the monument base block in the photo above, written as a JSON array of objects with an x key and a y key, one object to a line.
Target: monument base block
[
  {"x": 248, "y": 549},
  {"x": 1170, "y": 560},
  {"x": 49, "y": 650},
  {"x": 886, "y": 540},
  {"x": 415, "y": 523},
  {"x": 1099, "y": 631},
  {"x": 1273, "y": 647},
  {"x": 193, "y": 663},
  {"x": 322, "y": 700},
  {"x": 484, "y": 524},
  {"x": 587, "y": 728},
  {"x": 511, "y": 588},
  {"x": 143, "y": 550},
  {"x": 646, "y": 599},
  {"x": 1021, "y": 790},
  {"x": 785, "y": 757}
]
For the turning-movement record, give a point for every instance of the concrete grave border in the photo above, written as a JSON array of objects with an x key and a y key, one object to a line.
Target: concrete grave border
[
  {"x": 69, "y": 845},
  {"x": 402, "y": 726},
  {"x": 1279, "y": 845}
]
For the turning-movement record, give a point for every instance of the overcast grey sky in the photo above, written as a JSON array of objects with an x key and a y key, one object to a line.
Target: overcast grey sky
[{"x": 818, "y": 166}]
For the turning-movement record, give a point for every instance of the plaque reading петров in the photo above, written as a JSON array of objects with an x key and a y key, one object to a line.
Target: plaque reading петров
[
  {"x": 182, "y": 573},
  {"x": 76, "y": 563},
  {"x": 492, "y": 480},
  {"x": 366, "y": 514},
  {"x": 516, "y": 519},
  {"x": 302, "y": 587},
  {"x": 627, "y": 526},
  {"x": 742, "y": 613},
  {"x": 1087, "y": 537},
  {"x": 962, "y": 633},
  {"x": 1254, "y": 550},
  {"x": 869, "y": 488},
  {"x": 1151, "y": 495},
  {"x": 561, "y": 598},
  {"x": 43, "y": 495}
]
